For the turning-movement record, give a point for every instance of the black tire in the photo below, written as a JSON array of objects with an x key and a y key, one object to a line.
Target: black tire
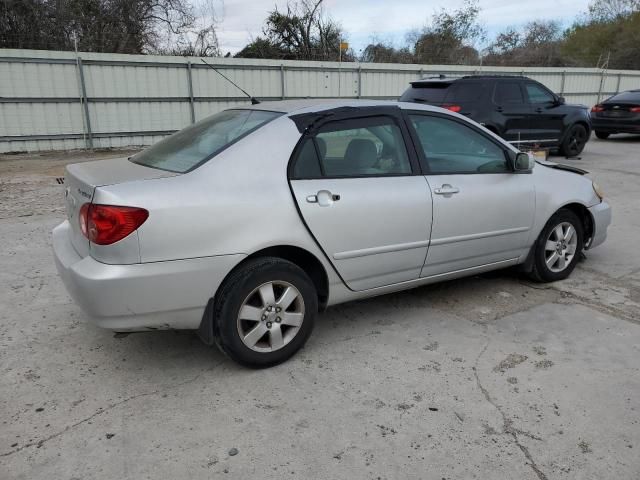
[
  {"x": 574, "y": 141},
  {"x": 541, "y": 271},
  {"x": 237, "y": 287},
  {"x": 602, "y": 135}
]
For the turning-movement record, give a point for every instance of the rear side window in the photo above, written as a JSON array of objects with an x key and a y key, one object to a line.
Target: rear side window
[
  {"x": 464, "y": 92},
  {"x": 428, "y": 92},
  {"x": 451, "y": 147},
  {"x": 192, "y": 146},
  {"x": 508, "y": 93},
  {"x": 359, "y": 147}
]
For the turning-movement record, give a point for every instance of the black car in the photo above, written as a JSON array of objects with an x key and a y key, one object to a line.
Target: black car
[
  {"x": 519, "y": 109},
  {"x": 618, "y": 114}
]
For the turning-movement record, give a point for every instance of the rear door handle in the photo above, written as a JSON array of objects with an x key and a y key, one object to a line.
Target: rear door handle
[
  {"x": 539, "y": 110},
  {"x": 498, "y": 109},
  {"x": 446, "y": 189},
  {"x": 324, "y": 198}
]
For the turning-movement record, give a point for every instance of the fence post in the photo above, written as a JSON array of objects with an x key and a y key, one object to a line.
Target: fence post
[
  {"x": 282, "y": 84},
  {"x": 420, "y": 74},
  {"x": 191, "y": 101},
  {"x": 564, "y": 75},
  {"x": 601, "y": 85},
  {"x": 85, "y": 104},
  {"x": 359, "y": 81},
  {"x": 618, "y": 85}
]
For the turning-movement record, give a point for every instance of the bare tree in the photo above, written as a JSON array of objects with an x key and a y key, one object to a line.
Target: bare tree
[{"x": 539, "y": 44}]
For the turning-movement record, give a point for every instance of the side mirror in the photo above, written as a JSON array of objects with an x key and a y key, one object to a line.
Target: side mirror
[
  {"x": 523, "y": 163},
  {"x": 560, "y": 101}
]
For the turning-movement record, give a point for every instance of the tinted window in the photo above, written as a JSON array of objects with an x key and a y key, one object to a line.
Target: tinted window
[
  {"x": 192, "y": 146},
  {"x": 625, "y": 97},
  {"x": 307, "y": 164},
  {"x": 451, "y": 147},
  {"x": 537, "y": 94},
  {"x": 360, "y": 147},
  {"x": 464, "y": 92},
  {"x": 428, "y": 92},
  {"x": 506, "y": 93}
]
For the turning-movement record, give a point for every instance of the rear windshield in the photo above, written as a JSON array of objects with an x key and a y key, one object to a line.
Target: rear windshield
[
  {"x": 192, "y": 146},
  {"x": 443, "y": 92},
  {"x": 428, "y": 92},
  {"x": 626, "y": 97}
]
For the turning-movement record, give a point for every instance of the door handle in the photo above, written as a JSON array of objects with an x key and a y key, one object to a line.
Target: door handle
[
  {"x": 498, "y": 109},
  {"x": 539, "y": 110},
  {"x": 324, "y": 198},
  {"x": 446, "y": 189}
]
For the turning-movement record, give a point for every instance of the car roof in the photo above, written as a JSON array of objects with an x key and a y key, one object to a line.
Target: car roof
[{"x": 310, "y": 105}]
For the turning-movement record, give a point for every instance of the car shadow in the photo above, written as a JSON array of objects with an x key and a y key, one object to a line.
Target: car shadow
[{"x": 500, "y": 292}]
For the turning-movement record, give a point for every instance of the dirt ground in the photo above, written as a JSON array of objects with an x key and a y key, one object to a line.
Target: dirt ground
[{"x": 485, "y": 377}]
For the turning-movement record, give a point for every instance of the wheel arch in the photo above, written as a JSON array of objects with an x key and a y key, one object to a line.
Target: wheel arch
[
  {"x": 304, "y": 259},
  {"x": 582, "y": 212}
]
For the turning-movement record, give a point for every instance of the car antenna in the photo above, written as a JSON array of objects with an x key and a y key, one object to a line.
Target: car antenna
[{"x": 254, "y": 101}]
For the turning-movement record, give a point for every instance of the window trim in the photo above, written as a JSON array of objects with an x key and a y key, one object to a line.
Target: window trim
[
  {"x": 396, "y": 118},
  {"x": 424, "y": 161}
]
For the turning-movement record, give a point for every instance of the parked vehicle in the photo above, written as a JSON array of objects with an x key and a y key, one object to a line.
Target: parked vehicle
[
  {"x": 617, "y": 114},
  {"x": 520, "y": 110},
  {"x": 246, "y": 224}
]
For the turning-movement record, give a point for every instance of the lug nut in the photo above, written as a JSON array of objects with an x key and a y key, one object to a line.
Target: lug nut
[
  {"x": 269, "y": 324},
  {"x": 264, "y": 317},
  {"x": 278, "y": 309},
  {"x": 269, "y": 309},
  {"x": 278, "y": 319}
]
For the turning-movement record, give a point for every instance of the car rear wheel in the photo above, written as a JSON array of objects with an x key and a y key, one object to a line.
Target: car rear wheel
[
  {"x": 602, "y": 135},
  {"x": 574, "y": 141},
  {"x": 558, "y": 247},
  {"x": 264, "y": 312}
]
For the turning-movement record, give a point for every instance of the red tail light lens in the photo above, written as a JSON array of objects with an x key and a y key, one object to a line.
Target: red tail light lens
[
  {"x": 106, "y": 224},
  {"x": 453, "y": 108},
  {"x": 597, "y": 108},
  {"x": 635, "y": 109}
]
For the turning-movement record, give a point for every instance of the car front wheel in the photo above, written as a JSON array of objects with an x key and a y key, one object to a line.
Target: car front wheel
[
  {"x": 602, "y": 135},
  {"x": 558, "y": 247},
  {"x": 574, "y": 141},
  {"x": 264, "y": 312}
]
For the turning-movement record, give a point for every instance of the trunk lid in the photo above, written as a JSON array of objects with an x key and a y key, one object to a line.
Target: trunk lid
[
  {"x": 618, "y": 110},
  {"x": 82, "y": 179}
]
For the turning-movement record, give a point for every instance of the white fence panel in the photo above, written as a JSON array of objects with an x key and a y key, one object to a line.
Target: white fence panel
[{"x": 57, "y": 100}]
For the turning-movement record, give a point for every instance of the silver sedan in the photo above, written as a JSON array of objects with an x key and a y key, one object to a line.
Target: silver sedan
[{"x": 246, "y": 224}]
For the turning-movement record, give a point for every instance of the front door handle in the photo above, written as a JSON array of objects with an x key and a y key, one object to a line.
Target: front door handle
[
  {"x": 446, "y": 190},
  {"x": 324, "y": 198},
  {"x": 539, "y": 110}
]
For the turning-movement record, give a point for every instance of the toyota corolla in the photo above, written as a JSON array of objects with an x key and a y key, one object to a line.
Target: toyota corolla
[{"x": 246, "y": 224}]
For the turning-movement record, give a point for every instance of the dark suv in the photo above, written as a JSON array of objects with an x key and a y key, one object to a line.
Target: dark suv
[{"x": 518, "y": 109}]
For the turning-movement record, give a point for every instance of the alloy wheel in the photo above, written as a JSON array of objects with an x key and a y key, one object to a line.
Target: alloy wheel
[
  {"x": 270, "y": 316},
  {"x": 560, "y": 247}
]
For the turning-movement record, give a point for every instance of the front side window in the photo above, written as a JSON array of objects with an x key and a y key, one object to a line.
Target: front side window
[
  {"x": 192, "y": 146},
  {"x": 451, "y": 147},
  {"x": 371, "y": 146},
  {"x": 537, "y": 94}
]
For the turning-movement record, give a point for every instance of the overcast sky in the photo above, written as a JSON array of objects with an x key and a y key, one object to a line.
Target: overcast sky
[{"x": 389, "y": 20}]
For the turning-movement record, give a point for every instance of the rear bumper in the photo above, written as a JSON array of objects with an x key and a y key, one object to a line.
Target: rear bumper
[
  {"x": 601, "y": 214},
  {"x": 616, "y": 126},
  {"x": 144, "y": 296}
]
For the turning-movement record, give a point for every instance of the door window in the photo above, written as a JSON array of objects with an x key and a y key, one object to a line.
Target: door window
[
  {"x": 371, "y": 146},
  {"x": 508, "y": 93},
  {"x": 537, "y": 94},
  {"x": 451, "y": 147}
]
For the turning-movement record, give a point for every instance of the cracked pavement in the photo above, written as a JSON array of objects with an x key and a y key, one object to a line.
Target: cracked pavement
[{"x": 486, "y": 377}]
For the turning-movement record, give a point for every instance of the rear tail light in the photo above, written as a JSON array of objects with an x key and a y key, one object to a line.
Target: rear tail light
[
  {"x": 453, "y": 108},
  {"x": 597, "y": 108},
  {"x": 635, "y": 109},
  {"x": 106, "y": 224}
]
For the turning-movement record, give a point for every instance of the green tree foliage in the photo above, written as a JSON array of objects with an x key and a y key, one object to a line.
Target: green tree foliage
[
  {"x": 609, "y": 36},
  {"x": 302, "y": 32},
  {"x": 116, "y": 26}
]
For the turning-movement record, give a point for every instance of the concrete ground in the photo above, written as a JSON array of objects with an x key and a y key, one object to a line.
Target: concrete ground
[{"x": 489, "y": 377}]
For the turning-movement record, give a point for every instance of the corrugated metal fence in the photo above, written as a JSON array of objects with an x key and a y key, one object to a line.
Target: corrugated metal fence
[{"x": 60, "y": 100}]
